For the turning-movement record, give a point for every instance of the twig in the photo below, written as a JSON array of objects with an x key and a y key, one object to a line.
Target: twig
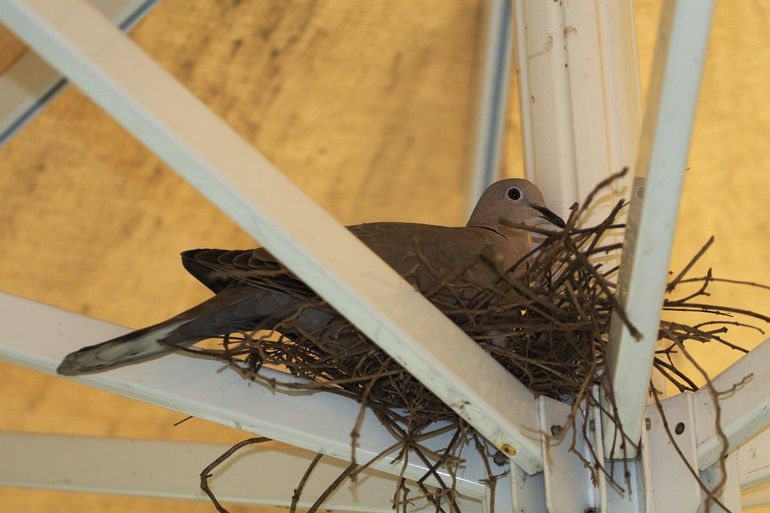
[
  {"x": 298, "y": 490},
  {"x": 206, "y": 472}
]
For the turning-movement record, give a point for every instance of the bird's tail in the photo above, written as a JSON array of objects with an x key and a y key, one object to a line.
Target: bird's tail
[
  {"x": 138, "y": 345},
  {"x": 214, "y": 316}
]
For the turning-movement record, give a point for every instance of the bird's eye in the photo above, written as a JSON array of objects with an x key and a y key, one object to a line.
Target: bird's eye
[{"x": 515, "y": 193}]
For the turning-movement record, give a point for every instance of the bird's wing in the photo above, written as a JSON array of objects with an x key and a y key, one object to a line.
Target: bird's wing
[
  {"x": 218, "y": 268},
  {"x": 425, "y": 254},
  {"x": 413, "y": 250}
]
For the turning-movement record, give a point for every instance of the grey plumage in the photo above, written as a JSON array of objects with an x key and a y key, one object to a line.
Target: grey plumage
[{"x": 254, "y": 291}]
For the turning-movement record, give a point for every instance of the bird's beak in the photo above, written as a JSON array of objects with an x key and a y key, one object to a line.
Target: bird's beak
[{"x": 549, "y": 215}]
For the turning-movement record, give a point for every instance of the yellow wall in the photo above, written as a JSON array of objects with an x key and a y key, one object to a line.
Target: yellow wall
[{"x": 368, "y": 107}]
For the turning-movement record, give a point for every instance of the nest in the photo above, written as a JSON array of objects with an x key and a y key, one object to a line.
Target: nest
[{"x": 546, "y": 321}]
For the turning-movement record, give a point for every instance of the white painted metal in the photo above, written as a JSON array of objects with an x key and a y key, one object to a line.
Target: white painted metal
[
  {"x": 627, "y": 494},
  {"x": 493, "y": 98},
  {"x": 30, "y": 82},
  {"x": 754, "y": 462},
  {"x": 528, "y": 491},
  {"x": 754, "y": 471},
  {"x": 662, "y": 158},
  {"x": 745, "y": 411},
  {"x": 568, "y": 484},
  {"x": 503, "y": 495},
  {"x": 729, "y": 495},
  {"x": 670, "y": 485},
  {"x": 201, "y": 147},
  {"x": 38, "y": 336},
  {"x": 258, "y": 474},
  {"x": 644, "y": 461},
  {"x": 601, "y": 496},
  {"x": 578, "y": 95}
]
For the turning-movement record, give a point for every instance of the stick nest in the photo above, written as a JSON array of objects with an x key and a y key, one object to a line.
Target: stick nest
[{"x": 546, "y": 320}]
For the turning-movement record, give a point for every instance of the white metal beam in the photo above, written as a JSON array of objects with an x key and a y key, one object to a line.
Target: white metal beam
[
  {"x": 745, "y": 410},
  {"x": 662, "y": 158},
  {"x": 754, "y": 462},
  {"x": 725, "y": 484},
  {"x": 30, "y": 83},
  {"x": 202, "y": 148},
  {"x": 264, "y": 474},
  {"x": 38, "y": 336},
  {"x": 578, "y": 94},
  {"x": 669, "y": 485},
  {"x": 569, "y": 487}
]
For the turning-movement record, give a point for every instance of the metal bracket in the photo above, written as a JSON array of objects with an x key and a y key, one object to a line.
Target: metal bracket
[
  {"x": 670, "y": 485},
  {"x": 569, "y": 486},
  {"x": 527, "y": 491}
]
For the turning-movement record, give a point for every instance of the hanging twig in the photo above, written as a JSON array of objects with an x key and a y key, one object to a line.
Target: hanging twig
[{"x": 206, "y": 472}]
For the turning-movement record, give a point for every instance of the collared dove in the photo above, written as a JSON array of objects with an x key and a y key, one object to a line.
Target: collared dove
[{"x": 252, "y": 289}]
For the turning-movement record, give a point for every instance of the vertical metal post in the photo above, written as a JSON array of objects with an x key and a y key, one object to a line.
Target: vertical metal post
[
  {"x": 493, "y": 97},
  {"x": 662, "y": 158},
  {"x": 578, "y": 94}
]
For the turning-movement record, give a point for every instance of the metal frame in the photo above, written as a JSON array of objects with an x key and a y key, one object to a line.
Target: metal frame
[
  {"x": 164, "y": 382},
  {"x": 133, "y": 467},
  {"x": 30, "y": 83},
  {"x": 659, "y": 171},
  {"x": 595, "y": 134}
]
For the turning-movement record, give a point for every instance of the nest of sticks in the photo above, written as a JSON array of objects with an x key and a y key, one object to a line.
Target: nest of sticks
[{"x": 546, "y": 321}]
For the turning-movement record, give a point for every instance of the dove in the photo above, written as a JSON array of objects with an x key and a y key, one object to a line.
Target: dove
[{"x": 253, "y": 291}]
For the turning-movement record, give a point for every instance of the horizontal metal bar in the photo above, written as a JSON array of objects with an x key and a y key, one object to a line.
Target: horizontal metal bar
[
  {"x": 745, "y": 412},
  {"x": 662, "y": 158},
  {"x": 30, "y": 83},
  {"x": 210, "y": 155},
  {"x": 37, "y": 336},
  {"x": 264, "y": 474}
]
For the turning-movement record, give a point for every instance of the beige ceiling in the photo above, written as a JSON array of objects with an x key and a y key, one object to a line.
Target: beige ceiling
[{"x": 368, "y": 107}]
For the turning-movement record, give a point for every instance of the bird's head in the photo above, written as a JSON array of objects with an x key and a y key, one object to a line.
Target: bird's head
[{"x": 513, "y": 201}]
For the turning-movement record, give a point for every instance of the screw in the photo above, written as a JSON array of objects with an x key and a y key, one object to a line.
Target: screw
[
  {"x": 556, "y": 430},
  {"x": 500, "y": 458},
  {"x": 679, "y": 429}
]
